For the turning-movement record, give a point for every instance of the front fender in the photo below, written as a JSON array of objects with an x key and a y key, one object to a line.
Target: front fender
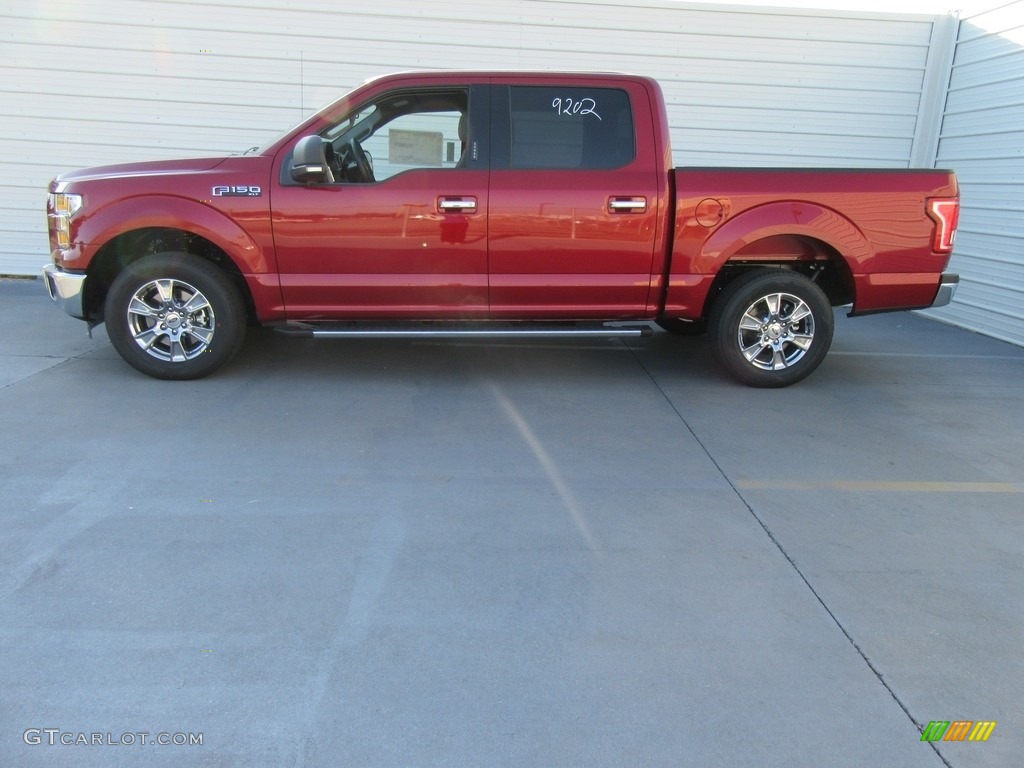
[{"x": 250, "y": 249}]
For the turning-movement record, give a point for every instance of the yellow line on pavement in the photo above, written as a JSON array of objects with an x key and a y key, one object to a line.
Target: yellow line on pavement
[{"x": 891, "y": 486}]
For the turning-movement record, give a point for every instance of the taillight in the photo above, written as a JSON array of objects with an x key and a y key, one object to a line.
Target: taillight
[{"x": 945, "y": 211}]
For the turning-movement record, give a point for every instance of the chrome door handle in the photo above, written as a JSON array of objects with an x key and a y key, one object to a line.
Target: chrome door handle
[
  {"x": 463, "y": 204},
  {"x": 627, "y": 204}
]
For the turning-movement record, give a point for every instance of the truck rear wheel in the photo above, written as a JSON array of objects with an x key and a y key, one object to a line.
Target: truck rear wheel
[
  {"x": 771, "y": 328},
  {"x": 174, "y": 316}
]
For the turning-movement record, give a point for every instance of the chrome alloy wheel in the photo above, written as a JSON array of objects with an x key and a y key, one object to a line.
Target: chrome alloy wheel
[
  {"x": 776, "y": 331},
  {"x": 171, "y": 320}
]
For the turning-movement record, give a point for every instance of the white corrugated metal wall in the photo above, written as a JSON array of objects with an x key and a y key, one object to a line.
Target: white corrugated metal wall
[
  {"x": 982, "y": 137},
  {"x": 88, "y": 83}
]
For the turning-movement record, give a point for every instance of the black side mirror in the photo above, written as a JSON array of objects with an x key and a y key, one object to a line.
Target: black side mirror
[{"x": 309, "y": 162}]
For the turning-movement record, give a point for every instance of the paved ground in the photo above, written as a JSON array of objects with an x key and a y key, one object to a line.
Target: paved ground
[{"x": 382, "y": 553}]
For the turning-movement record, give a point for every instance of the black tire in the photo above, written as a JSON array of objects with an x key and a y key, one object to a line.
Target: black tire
[
  {"x": 174, "y": 316},
  {"x": 771, "y": 327},
  {"x": 681, "y": 327}
]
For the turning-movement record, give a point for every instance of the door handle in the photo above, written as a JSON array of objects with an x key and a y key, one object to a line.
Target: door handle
[
  {"x": 456, "y": 204},
  {"x": 627, "y": 204}
]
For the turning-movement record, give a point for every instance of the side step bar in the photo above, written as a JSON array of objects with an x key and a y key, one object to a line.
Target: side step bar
[{"x": 450, "y": 330}]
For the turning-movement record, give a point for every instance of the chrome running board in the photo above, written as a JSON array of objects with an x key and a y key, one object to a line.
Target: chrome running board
[{"x": 453, "y": 330}]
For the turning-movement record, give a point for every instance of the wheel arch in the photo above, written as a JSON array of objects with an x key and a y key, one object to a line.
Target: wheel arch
[
  {"x": 129, "y": 229},
  {"x": 814, "y": 258},
  {"x": 805, "y": 237},
  {"x": 134, "y": 244}
]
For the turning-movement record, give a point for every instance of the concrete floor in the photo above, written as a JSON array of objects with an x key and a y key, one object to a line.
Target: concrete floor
[{"x": 390, "y": 553}]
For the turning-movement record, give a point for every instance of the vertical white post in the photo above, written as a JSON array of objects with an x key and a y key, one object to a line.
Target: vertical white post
[{"x": 930, "y": 111}]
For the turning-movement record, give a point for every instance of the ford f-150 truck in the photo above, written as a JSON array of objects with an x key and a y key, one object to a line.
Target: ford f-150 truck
[{"x": 491, "y": 204}]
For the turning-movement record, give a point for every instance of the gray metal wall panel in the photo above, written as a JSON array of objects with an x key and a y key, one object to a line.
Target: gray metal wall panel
[
  {"x": 122, "y": 80},
  {"x": 983, "y": 139}
]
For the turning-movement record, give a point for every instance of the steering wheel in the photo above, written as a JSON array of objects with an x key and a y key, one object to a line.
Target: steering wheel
[
  {"x": 333, "y": 162},
  {"x": 360, "y": 161}
]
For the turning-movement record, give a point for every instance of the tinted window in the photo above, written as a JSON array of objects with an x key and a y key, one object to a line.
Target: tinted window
[{"x": 570, "y": 128}]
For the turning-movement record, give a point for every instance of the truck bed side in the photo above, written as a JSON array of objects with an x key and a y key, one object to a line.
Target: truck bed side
[{"x": 865, "y": 235}]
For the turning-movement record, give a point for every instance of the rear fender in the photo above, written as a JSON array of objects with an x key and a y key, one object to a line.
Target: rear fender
[
  {"x": 784, "y": 218},
  {"x": 694, "y": 267}
]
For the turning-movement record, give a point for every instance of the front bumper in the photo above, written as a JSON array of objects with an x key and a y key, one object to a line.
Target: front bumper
[
  {"x": 947, "y": 287},
  {"x": 66, "y": 289}
]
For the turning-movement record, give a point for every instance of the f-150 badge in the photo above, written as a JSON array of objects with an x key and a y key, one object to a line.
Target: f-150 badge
[{"x": 242, "y": 191}]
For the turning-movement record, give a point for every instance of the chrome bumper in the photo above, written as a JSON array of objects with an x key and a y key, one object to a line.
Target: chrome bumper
[
  {"x": 947, "y": 287},
  {"x": 66, "y": 289}
]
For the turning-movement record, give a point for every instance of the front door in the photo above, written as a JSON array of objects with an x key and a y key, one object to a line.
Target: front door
[{"x": 399, "y": 228}]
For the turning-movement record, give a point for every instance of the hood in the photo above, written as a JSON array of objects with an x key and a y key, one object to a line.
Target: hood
[{"x": 129, "y": 170}]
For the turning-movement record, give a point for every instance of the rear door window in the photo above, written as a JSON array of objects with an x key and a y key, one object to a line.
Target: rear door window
[{"x": 570, "y": 128}]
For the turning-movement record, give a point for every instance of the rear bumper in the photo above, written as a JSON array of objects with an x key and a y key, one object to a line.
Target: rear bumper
[
  {"x": 66, "y": 289},
  {"x": 947, "y": 287}
]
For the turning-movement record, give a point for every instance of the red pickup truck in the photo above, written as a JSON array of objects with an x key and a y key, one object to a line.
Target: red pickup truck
[{"x": 491, "y": 204}]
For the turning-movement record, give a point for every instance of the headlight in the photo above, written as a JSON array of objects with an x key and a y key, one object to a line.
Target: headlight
[{"x": 60, "y": 208}]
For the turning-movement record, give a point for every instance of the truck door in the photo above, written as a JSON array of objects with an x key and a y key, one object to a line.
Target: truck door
[
  {"x": 398, "y": 228},
  {"x": 574, "y": 198}
]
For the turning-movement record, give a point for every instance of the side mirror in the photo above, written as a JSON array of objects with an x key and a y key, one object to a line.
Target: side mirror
[{"x": 309, "y": 162}]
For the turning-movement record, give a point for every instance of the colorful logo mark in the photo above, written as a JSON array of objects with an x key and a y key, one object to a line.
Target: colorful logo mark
[{"x": 958, "y": 730}]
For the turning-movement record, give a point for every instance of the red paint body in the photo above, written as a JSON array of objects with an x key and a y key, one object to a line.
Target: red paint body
[{"x": 539, "y": 244}]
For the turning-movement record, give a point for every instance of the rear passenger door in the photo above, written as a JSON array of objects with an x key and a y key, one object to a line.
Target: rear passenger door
[{"x": 573, "y": 199}]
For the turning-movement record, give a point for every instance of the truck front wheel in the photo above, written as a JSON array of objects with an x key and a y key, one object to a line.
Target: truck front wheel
[
  {"x": 771, "y": 328},
  {"x": 174, "y": 316}
]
